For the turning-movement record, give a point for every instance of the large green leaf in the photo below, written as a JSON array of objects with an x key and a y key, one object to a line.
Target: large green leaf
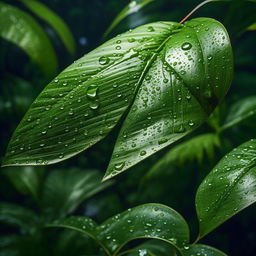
[
  {"x": 170, "y": 75},
  {"x": 54, "y": 20},
  {"x": 193, "y": 149},
  {"x": 228, "y": 189},
  {"x": 18, "y": 216},
  {"x": 240, "y": 111},
  {"x": 145, "y": 221},
  {"x": 64, "y": 190},
  {"x": 129, "y": 9},
  {"x": 203, "y": 250},
  {"x": 21, "y": 29},
  {"x": 26, "y": 180},
  {"x": 181, "y": 88}
]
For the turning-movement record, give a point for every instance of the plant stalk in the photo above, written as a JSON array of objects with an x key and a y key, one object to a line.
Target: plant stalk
[{"x": 195, "y": 9}]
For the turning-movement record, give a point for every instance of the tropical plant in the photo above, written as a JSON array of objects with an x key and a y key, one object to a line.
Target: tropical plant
[{"x": 155, "y": 85}]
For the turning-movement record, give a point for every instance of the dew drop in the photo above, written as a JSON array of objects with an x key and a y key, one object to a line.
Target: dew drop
[
  {"x": 186, "y": 46},
  {"x": 94, "y": 105},
  {"x": 104, "y": 60}
]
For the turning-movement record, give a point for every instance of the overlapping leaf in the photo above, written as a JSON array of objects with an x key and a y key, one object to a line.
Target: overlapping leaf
[
  {"x": 54, "y": 20},
  {"x": 202, "y": 250},
  {"x": 228, "y": 189},
  {"x": 129, "y": 9},
  {"x": 193, "y": 149},
  {"x": 145, "y": 221},
  {"x": 240, "y": 111},
  {"x": 169, "y": 76},
  {"x": 64, "y": 190},
  {"x": 21, "y": 29}
]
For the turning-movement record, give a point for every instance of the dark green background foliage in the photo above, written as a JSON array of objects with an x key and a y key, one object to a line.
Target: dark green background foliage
[{"x": 32, "y": 197}]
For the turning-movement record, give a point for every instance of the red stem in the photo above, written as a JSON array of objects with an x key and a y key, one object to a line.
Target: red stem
[{"x": 195, "y": 9}]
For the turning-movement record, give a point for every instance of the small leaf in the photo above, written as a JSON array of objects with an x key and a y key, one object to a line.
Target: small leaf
[
  {"x": 229, "y": 188},
  {"x": 18, "y": 216},
  {"x": 240, "y": 111},
  {"x": 252, "y": 27},
  {"x": 22, "y": 30},
  {"x": 145, "y": 221},
  {"x": 188, "y": 151},
  {"x": 54, "y": 20},
  {"x": 202, "y": 250},
  {"x": 64, "y": 190},
  {"x": 26, "y": 180},
  {"x": 129, "y": 9}
]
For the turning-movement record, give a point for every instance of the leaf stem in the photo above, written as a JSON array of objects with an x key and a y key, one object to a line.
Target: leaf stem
[{"x": 195, "y": 9}]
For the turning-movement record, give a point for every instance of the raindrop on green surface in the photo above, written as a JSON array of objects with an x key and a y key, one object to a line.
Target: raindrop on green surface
[
  {"x": 103, "y": 60},
  {"x": 94, "y": 105},
  {"x": 186, "y": 46},
  {"x": 92, "y": 91}
]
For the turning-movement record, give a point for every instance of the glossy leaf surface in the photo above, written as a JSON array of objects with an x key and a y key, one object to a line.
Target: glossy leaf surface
[
  {"x": 229, "y": 188},
  {"x": 64, "y": 190},
  {"x": 240, "y": 111},
  {"x": 188, "y": 77},
  {"x": 54, "y": 20},
  {"x": 170, "y": 76},
  {"x": 129, "y": 9},
  {"x": 22, "y": 30},
  {"x": 145, "y": 221},
  {"x": 203, "y": 250}
]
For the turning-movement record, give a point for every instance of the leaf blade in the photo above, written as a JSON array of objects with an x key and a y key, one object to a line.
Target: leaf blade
[
  {"x": 29, "y": 36},
  {"x": 234, "y": 180},
  {"x": 180, "y": 97},
  {"x": 54, "y": 20}
]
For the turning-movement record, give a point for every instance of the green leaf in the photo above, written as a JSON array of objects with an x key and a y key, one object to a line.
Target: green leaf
[
  {"x": 203, "y": 250},
  {"x": 229, "y": 188},
  {"x": 54, "y": 20},
  {"x": 240, "y": 111},
  {"x": 174, "y": 99},
  {"x": 18, "y": 216},
  {"x": 83, "y": 104},
  {"x": 188, "y": 151},
  {"x": 145, "y": 221},
  {"x": 26, "y": 179},
  {"x": 129, "y": 9},
  {"x": 252, "y": 27},
  {"x": 22, "y": 30},
  {"x": 65, "y": 190},
  {"x": 152, "y": 248}
]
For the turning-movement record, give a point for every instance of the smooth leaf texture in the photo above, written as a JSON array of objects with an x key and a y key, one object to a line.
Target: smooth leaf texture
[
  {"x": 203, "y": 250},
  {"x": 178, "y": 73},
  {"x": 65, "y": 190},
  {"x": 18, "y": 216},
  {"x": 25, "y": 179},
  {"x": 129, "y": 9},
  {"x": 188, "y": 151},
  {"x": 252, "y": 27},
  {"x": 240, "y": 111},
  {"x": 145, "y": 221},
  {"x": 229, "y": 188},
  {"x": 54, "y": 20},
  {"x": 22, "y": 30}
]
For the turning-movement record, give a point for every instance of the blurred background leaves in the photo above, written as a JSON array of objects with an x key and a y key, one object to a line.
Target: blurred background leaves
[{"x": 32, "y": 195}]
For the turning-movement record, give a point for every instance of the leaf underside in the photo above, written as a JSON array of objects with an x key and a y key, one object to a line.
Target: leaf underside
[{"x": 167, "y": 77}]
